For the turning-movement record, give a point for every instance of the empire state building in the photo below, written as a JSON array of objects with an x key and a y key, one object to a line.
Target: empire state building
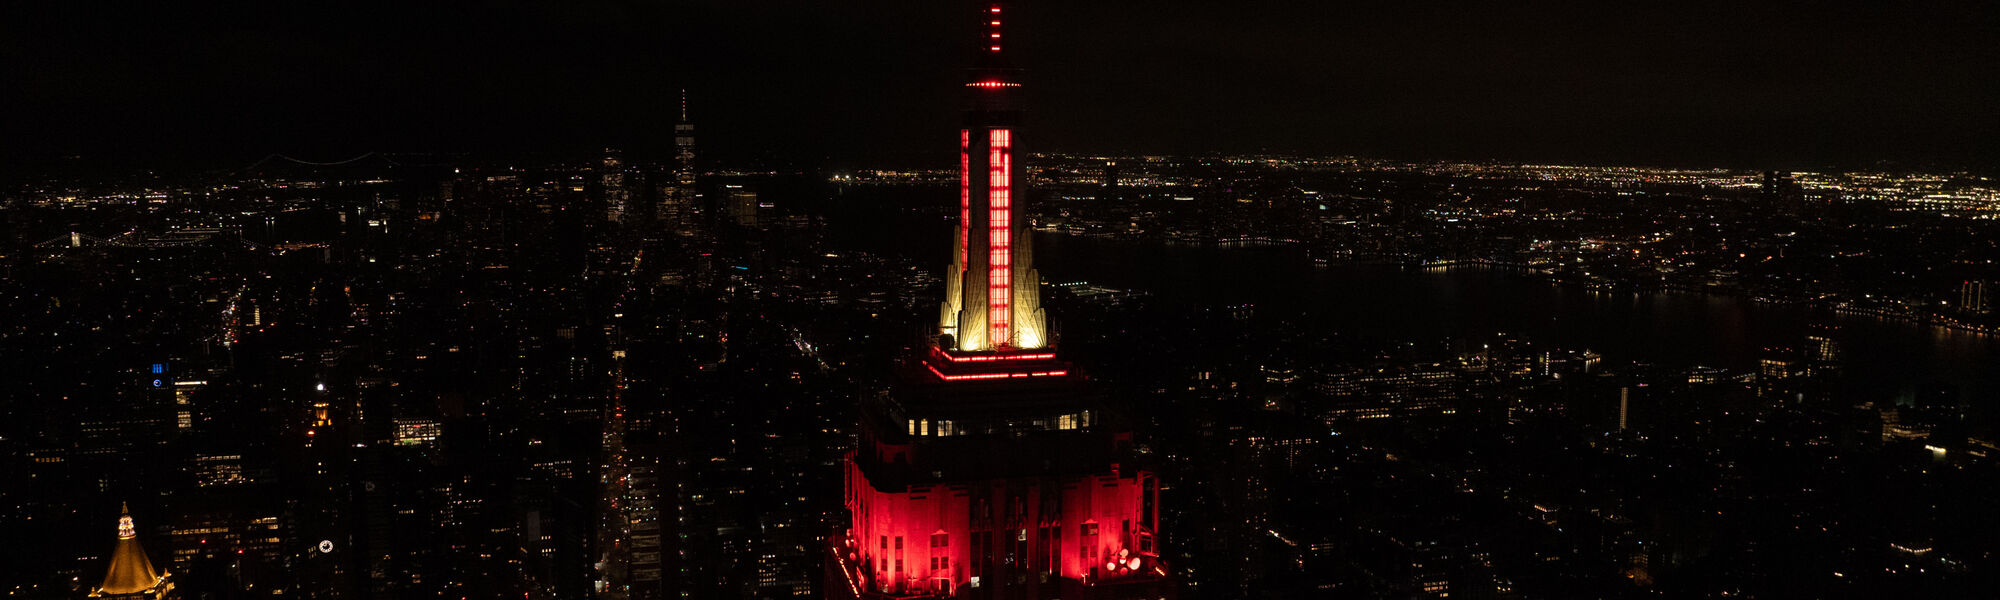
[{"x": 991, "y": 469}]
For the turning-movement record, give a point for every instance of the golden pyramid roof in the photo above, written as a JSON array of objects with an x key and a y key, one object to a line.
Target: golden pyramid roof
[{"x": 131, "y": 571}]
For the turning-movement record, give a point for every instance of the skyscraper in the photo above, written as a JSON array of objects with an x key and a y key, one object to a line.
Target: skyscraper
[
  {"x": 990, "y": 469},
  {"x": 1781, "y": 192},
  {"x": 616, "y": 198},
  {"x": 741, "y": 203},
  {"x": 992, "y": 297},
  {"x": 684, "y": 143},
  {"x": 677, "y": 197},
  {"x": 1624, "y": 406},
  {"x": 1109, "y": 191},
  {"x": 1972, "y": 297}
]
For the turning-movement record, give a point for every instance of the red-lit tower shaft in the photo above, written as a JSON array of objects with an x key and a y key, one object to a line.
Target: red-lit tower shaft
[
  {"x": 990, "y": 121},
  {"x": 991, "y": 302}
]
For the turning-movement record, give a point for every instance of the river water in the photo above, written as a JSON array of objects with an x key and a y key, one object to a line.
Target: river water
[{"x": 1885, "y": 361}]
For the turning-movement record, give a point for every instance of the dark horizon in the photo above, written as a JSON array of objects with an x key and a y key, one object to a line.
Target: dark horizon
[{"x": 846, "y": 84}]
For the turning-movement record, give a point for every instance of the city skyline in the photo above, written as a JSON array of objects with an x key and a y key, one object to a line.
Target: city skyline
[{"x": 617, "y": 300}]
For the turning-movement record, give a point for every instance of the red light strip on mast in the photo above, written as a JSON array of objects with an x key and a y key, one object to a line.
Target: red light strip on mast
[
  {"x": 999, "y": 238},
  {"x": 997, "y": 357},
  {"x": 980, "y": 376},
  {"x": 964, "y": 197}
]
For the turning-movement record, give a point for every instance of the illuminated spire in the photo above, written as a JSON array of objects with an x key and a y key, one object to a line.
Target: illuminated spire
[
  {"x": 992, "y": 292},
  {"x": 684, "y": 144},
  {"x": 131, "y": 573}
]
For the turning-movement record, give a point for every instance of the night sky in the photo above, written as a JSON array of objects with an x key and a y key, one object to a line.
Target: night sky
[{"x": 846, "y": 83}]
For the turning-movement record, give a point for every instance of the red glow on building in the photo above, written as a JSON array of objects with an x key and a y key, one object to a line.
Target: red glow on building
[
  {"x": 998, "y": 375},
  {"x": 964, "y": 193},
  {"x": 935, "y": 539},
  {"x": 990, "y": 468},
  {"x": 996, "y": 357},
  {"x": 1000, "y": 235}
]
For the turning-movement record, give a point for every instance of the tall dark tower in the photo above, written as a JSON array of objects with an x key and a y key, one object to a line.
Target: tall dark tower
[
  {"x": 990, "y": 469},
  {"x": 684, "y": 144},
  {"x": 678, "y": 197}
]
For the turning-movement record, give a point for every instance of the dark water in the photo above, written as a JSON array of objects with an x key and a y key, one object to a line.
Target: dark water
[{"x": 1886, "y": 361}]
